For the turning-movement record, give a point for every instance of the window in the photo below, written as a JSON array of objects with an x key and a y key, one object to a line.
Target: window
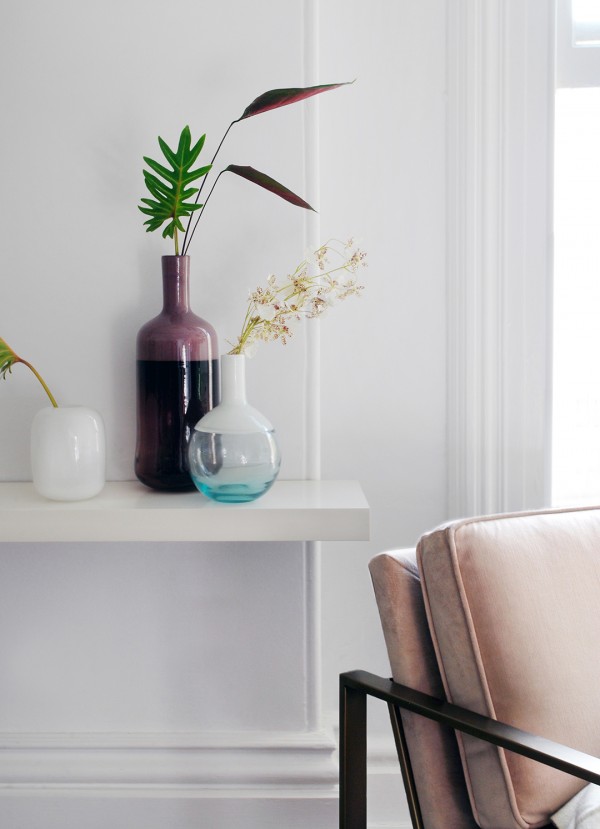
[{"x": 576, "y": 336}]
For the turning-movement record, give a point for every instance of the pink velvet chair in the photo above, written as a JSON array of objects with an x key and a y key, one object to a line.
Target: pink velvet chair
[{"x": 493, "y": 633}]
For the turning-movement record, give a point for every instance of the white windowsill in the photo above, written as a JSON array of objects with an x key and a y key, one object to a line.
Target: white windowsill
[{"x": 128, "y": 511}]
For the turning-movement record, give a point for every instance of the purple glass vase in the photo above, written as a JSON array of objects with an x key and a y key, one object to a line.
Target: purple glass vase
[{"x": 177, "y": 382}]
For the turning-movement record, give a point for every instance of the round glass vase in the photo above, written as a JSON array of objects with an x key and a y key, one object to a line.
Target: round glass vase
[
  {"x": 177, "y": 382},
  {"x": 68, "y": 453},
  {"x": 234, "y": 456}
]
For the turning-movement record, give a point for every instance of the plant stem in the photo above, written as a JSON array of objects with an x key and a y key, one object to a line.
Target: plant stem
[
  {"x": 186, "y": 242},
  {"x": 176, "y": 240},
  {"x": 200, "y": 212},
  {"x": 40, "y": 378}
]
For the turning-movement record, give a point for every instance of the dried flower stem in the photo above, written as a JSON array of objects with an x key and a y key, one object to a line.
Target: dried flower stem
[{"x": 271, "y": 310}]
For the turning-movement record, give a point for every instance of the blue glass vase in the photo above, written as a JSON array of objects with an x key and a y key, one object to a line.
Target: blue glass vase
[{"x": 233, "y": 454}]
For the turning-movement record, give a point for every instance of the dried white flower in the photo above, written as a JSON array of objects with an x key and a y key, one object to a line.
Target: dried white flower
[{"x": 271, "y": 310}]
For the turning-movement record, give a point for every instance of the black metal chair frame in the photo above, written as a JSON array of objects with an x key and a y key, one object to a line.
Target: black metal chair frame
[{"x": 355, "y": 686}]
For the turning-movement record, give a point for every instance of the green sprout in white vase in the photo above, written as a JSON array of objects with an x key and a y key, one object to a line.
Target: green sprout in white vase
[
  {"x": 272, "y": 309},
  {"x": 8, "y": 358}
]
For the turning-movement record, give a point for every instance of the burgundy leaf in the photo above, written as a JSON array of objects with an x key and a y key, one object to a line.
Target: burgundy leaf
[
  {"x": 263, "y": 180},
  {"x": 282, "y": 97}
]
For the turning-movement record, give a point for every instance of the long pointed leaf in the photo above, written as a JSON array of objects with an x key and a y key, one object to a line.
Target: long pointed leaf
[
  {"x": 185, "y": 139},
  {"x": 157, "y": 215},
  {"x": 162, "y": 171},
  {"x": 195, "y": 151},
  {"x": 193, "y": 175},
  {"x": 275, "y": 98},
  {"x": 153, "y": 184},
  {"x": 158, "y": 194},
  {"x": 168, "y": 152},
  {"x": 151, "y": 203},
  {"x": 263, "y": 180}
]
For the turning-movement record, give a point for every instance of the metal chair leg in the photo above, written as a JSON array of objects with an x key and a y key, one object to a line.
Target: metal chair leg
[{"x": 353, "y": 757}]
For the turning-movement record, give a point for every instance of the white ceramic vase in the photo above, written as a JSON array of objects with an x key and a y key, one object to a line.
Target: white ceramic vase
[
  {"x": 233, "y": 453},
  {"x": 68, "y": 453}
]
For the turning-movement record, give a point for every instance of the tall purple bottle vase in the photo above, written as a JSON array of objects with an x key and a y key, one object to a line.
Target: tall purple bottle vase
[{"x": 177, "y": 382}]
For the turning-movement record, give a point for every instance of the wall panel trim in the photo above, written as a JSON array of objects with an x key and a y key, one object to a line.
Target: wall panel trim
[
  {"x": 500, "y": 69},
  {"x": 312, "y": 377},
  {"x": 201, "y": 761}
]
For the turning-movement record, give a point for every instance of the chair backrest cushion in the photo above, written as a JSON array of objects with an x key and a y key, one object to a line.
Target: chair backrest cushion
[
  {"x": 513, "y": 604},
  {"x": 433, "y": 749}
]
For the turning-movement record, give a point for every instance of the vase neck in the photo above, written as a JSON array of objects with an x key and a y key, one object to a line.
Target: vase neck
[
  {"x": 233, "y": 378},
  {"x": 176, "y": 284}
]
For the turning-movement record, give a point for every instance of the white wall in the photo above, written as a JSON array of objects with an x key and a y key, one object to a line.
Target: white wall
[
  {"x": 383, "y": 358},
  {"x": 121, "y": 665}
]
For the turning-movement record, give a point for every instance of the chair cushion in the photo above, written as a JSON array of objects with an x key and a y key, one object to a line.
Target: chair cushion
[
  {"x": 513, "y": 604},
  {"x": 433, "y": 749}
]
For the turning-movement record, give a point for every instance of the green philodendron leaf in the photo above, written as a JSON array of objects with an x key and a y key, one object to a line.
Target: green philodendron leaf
[
  {"x": 169, "y": 187},
  {"x": 263, "y": 180},
  {"x": 7, "y": 358},
  {"x": 169, "y": 175},
  {"x": 167, "y": 152}
]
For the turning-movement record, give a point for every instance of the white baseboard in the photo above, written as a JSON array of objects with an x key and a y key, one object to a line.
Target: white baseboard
[{"x": 278, "y": 778}]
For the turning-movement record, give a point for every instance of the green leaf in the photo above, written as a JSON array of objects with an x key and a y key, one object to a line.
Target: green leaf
[
  {"x": 152, "y": 181},
  {"x": 185, "y": 140},
  {"x": 194, "y": 174},
  {"x": 275, "y": 98},
  {"x": 196, "y": 150},
  {"x": 7, "y": 358},
  {"x": 169, "y": 185},
  {"x": 167, "y": 152},
  {"x": 170, "y": 175},
  {"x": 263, "y": 180}
]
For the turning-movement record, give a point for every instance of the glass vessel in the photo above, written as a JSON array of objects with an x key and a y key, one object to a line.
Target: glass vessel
[
  {"x": 234, "y": 455},
  {"x": 177, "y": 382},
  {"x": 68, "y": 453}
]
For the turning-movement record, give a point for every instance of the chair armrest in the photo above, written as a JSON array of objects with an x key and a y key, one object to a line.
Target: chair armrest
[{"x": 569, "y": 760}]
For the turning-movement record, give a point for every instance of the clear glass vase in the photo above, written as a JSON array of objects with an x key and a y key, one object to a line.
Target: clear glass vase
[
  {"x": 177, "y": 382},
  {"x": 233, "y": 455}
]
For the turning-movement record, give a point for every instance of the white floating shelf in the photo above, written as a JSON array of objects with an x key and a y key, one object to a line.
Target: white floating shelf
[{"x": 128, "y": 511}]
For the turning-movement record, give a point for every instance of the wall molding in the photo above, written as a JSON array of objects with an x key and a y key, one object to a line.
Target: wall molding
[
  {"x": 201, "y": 762},
  {"x": 269, "y": 772},
  {"x": 312, "y": 377},
  {"x": 499, "y": 230}
]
